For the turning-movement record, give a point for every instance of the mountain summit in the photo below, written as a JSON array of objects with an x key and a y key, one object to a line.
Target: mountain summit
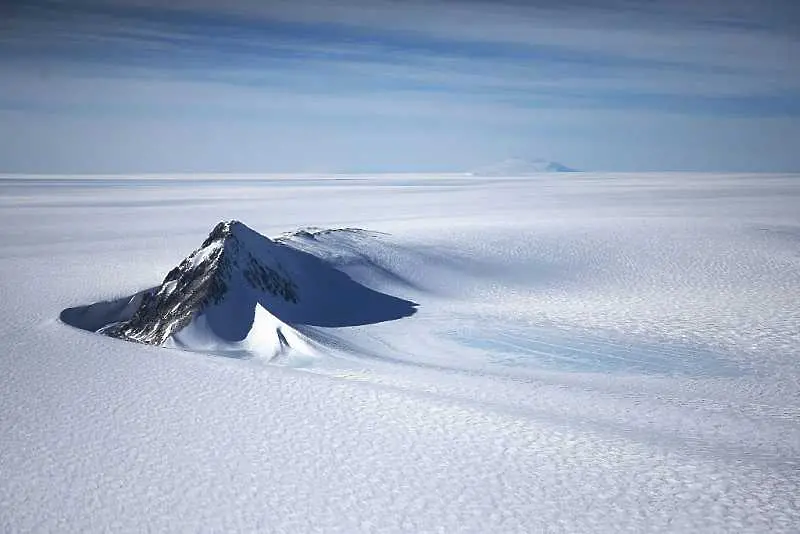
[
  {"x": 224, "y": 279},
  {"x": 521, "y": 167},
  {"x": 245, "y": 292}
]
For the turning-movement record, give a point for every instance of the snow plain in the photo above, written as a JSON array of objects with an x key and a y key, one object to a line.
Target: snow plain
[{"x": 590, "y": 353}]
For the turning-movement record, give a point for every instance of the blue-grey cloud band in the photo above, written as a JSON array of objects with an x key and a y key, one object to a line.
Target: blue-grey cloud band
[{"x": 520, "y": 76}]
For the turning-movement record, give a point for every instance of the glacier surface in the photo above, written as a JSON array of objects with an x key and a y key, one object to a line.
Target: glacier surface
[{"x": 575, "y": 353}]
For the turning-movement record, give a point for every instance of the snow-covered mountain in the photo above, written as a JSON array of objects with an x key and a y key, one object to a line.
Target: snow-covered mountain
[
  {"x": 521, "y": 167},
  {"x": 242, "y": 291}
]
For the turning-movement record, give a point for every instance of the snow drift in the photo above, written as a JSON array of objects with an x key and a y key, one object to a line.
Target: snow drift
[{"x": 241, "y": 291}]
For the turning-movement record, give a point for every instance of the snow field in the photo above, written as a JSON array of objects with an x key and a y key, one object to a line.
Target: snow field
[{"x": 590, "y": 353}]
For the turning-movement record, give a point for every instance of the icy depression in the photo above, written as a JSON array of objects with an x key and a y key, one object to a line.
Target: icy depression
[{"x": 403, "y": 353}]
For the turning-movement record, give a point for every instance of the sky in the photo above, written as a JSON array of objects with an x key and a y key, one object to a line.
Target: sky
[{"x": 130, "y": 86}]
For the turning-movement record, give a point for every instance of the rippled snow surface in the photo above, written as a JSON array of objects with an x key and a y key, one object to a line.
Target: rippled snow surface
[{"x": 590, "y": 353}]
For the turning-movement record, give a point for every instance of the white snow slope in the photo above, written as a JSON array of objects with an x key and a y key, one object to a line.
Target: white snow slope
[{"x": 590, "y": 353}]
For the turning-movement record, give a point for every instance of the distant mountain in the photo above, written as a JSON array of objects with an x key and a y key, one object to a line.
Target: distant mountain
[{"x": 521, "y": 167}]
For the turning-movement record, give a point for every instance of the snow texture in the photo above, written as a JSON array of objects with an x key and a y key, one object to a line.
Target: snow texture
[{"x": 582, "y": 353}]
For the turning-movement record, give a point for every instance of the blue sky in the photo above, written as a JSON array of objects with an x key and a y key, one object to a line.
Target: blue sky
[{"x": 122, "y": 86}]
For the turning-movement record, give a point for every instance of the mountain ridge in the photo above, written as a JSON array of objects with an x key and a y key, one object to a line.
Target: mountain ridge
[
  {"x": 243, "y": 293},
  {"x": 202, "y": 280}
]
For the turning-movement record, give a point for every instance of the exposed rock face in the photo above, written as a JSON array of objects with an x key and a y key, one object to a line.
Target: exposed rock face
[
  {"x": 222, "y": 265},
  {"x": 244, "y": 293}
]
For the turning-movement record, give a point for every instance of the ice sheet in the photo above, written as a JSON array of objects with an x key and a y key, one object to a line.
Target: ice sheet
[{"x": 591, "y": 352}]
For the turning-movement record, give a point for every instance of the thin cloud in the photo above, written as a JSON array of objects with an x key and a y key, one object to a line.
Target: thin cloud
[{"x": 497, "y": 66}]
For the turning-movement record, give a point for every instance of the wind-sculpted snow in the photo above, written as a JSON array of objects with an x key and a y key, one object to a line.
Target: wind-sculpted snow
[{"x": 589, "y": 353}]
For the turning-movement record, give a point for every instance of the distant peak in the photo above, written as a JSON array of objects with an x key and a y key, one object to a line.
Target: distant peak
[{"x": 522, "y": 167}]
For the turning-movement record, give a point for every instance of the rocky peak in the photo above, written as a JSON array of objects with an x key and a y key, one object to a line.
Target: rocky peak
[{"x": 233, "y": 259}]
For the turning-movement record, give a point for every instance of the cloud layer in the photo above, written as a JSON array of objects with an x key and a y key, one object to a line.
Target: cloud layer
[{"x": 397, "y": 85}]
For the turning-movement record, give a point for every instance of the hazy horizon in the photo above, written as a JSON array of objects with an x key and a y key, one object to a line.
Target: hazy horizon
[{"x": 129, "y": 86}]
